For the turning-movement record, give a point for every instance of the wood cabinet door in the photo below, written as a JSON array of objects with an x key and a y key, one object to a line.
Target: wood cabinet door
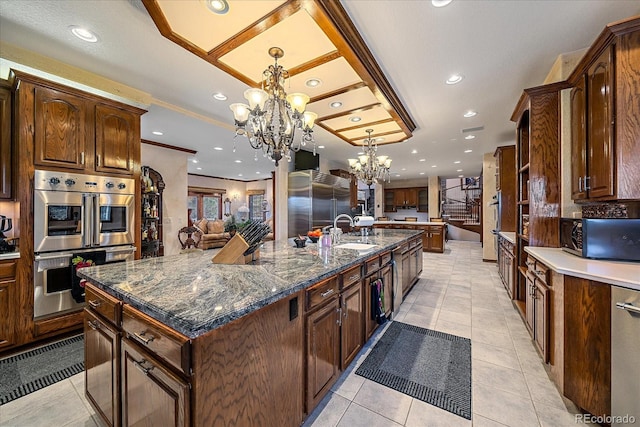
[
  {"x": 5, "y": 144},
  {"x": 600, "y": 98},
  {"x": 60, "y": 129},
  {"x": 116, "y": 134},
  {"x": 102, "y": 370},
  {"x": 323, "y": 355},
  {"x": 541, "y": 319},
  {"x": 352, "y": 331},
  {"x": 370, "y": 324},
  {"x": 510, "y": 273},
  {"x": 436, "y": 239},
  {"x": 151, "y": 394},
  {"x": 406, "y": 273},
  {"x": 386, "y": 274},
  {"x": 530, "y": 302},
  {"x": 411, "y": 197},
  {"x": 400, "y": 197},
  {"x": 9, "y": 308},
  {"x": 578, "y": 140}
]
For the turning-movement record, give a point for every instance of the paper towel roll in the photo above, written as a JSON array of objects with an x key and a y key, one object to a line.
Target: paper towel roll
[{"x": 363, "y": 221}]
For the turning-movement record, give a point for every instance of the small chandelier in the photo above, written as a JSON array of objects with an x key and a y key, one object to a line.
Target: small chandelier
[
  {"x": 272, "y": 117},
  {"x": 370, "y": 168}
]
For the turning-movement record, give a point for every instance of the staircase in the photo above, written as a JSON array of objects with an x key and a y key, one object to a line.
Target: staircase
[{"x": 462, "y": 206}]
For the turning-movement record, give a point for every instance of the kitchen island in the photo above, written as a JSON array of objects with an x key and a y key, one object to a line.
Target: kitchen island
[
  {"x": 433, "y": 237},
  {"x": 192, "y": 343}
]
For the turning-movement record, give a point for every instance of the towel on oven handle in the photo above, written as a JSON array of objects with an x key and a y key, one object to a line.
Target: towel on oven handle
[{"x": 80, "y": 260}]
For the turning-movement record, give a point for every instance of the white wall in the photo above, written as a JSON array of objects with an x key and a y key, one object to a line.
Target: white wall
[
  {"x": 172, "y": 165},
  {"x": 489, "y": 212}
]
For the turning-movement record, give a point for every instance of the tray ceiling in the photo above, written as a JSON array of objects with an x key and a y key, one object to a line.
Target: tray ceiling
[{"x": 319, "y": 42}]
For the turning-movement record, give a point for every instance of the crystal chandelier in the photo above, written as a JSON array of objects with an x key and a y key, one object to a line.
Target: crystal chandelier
[
  {"x": 272, "y": 117},
  {"x": 370, "y": 168}
]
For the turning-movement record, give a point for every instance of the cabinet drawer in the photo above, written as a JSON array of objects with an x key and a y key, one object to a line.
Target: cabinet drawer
[
  {"x": 371, "y": 265},
  {"x": 413, "y": 243},
  {"x": 8, "y": 270},
  {"x": 165, "y": 343},
  {"x": 104, "y": 304},
  {"x": 385, "y": 258},
  {"x": 542, "y": 272},
  {"x": 321, "y": 292},
  {"x": 351, "y": 276}
]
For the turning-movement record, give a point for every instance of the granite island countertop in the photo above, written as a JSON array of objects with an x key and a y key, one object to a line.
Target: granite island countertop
[
  {"x": 191, "y": 295},
  {"x": 410, "y": 222}
]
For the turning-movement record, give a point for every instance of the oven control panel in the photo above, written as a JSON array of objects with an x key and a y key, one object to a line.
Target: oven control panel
[{"x": 63, "y": 181}]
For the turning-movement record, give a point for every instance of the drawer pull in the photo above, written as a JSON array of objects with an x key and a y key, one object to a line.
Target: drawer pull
[
  {"x": 326, "y": 293},
  {"x": 354, "y": 277},
  {"x": 540, "y": 272},
  {"x": 628, "y": 306},
  {"x": 93, "y": 325},
  {"x": 142, "y": 337},
  {"x": 94, "y": 303},
  {"x": 140, "y": 366}
]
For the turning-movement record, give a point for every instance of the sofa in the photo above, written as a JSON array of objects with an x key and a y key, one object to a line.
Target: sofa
[{"x": 213, "y": 234}]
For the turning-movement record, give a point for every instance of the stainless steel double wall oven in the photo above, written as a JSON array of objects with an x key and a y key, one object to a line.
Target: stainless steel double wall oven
[{"x": 77, "y": 218}]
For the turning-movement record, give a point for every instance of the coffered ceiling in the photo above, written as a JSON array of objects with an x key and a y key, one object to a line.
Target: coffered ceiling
[{"x": 321, "y": 45}]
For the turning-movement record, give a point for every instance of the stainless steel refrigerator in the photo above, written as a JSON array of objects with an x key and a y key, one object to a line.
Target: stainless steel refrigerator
[{"x": 315, "y": 199}]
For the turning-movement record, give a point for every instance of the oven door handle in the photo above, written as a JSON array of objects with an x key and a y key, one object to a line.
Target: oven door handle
[
  {"x": 87, "y": 226},
  {"x": 96, "y": 220}
]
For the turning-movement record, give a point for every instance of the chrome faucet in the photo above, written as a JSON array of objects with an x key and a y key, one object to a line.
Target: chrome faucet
[{"x": 335, "y": 231}]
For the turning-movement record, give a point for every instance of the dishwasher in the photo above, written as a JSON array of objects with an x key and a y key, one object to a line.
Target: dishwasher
[{"x": 625, "y": 355}]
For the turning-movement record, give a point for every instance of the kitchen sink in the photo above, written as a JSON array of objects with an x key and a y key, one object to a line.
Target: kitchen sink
[{"x": 362, "y": 247}]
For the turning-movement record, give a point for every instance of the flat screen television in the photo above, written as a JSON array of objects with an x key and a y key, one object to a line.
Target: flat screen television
[{"x": 305, "y": 160}]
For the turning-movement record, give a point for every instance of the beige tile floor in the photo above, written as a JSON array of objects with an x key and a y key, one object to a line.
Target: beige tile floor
[{"x": 458, "y": 294}]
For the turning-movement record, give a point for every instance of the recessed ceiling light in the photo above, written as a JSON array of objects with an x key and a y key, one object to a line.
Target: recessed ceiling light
[
  {"x": 83, "y": 34},
  {"x": 460, "y": 176},
  {"x": 355, "y": 119},
  {"x": 440, "y": 3},
  {"x": 421, "y": 173},
  {"x": 404, "y": 169},
  {"x": 194, "y": 161},
  {"x": 258, "y": 173},
  {"x": 459, "y": 170},
  {"x": 218, "y": 148},
  {"x": 320, "y": 146},
  {"x": 360, "y": 153},
  {"x": 199, "y": 169},
  {"x": 454, "y": 78},
  {"x": 456, "y": 162},
  {"x": 313, "y": 82},
  {"x": 414, "y": 151},
  {"x": 335, "y": 104},
  {"x": 423, "y": 160},
  {"x": 470, "y": 113},
  {"x": 220, "y": 96},
  {"x": 239, "y": 174},
  {"x": 469, "y": 137},
  {"x": 379, "y": 139},
  {"x": 219, "y": 7},
  {"x": 397, "y": 175},
  {"x": 156, "y": 132},
  {"x": 468, "y": 151},
  {"x": 434, "y": 166},
  {"x": 238, "y": 161}
]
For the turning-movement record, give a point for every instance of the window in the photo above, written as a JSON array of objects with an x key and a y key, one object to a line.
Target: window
[
  {"x": 205, "y": 203},
  {"x": 256, "y": 205}
]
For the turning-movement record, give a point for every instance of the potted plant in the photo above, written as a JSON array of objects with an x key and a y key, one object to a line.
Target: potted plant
[{"x": 230, "y": 225}]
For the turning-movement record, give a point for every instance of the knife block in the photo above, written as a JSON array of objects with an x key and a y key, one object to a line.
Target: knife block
[{"x": 231, "y": 253}]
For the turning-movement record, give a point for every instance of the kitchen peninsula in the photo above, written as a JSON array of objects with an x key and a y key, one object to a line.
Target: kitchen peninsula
[{"x": 193, "y": 343}]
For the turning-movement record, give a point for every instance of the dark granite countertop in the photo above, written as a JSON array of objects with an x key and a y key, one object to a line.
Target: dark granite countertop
[{"x": 191, "y": 295}]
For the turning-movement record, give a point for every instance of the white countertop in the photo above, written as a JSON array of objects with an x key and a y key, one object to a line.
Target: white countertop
[
  {"x": 509, "y": 235},
  {"x": 10, "y": 255},
  {"x": 410, "y": 222},
  {"x": 619, "y": 273}
]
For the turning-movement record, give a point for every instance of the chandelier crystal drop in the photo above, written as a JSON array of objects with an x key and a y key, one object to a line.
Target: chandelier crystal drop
[
  {"x": 272, "y": 117},
  {"x": 370, "y": 168}
]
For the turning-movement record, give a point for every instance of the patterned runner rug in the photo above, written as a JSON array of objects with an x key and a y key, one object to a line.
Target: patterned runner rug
[
  {"x": 432, "y": 366},
  {"x": 32, "y": 370}
]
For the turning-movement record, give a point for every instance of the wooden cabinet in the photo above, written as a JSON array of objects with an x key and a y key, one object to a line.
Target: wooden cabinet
[
  {"x": 6, "y": 157},
  {"x": 323, "y": 347},
  {"x": 605, "y": 128},
  {"x": 386, "y": 274},
  {"x": 353, "y": 185},
  {"x": 587, "y": 344},
  {"x": 537, "y": 305},
  {"x": 116, "y": 133},
  {"x": 506, "y": 265},
  {"x": 102, "y": 370},
  {"x": 352, "y": 330},
  {"x": 506, "y": 187},
  {"x": 151, "y": 394},
  {"x": 433, "y": 238},
  {"x": 390, "y": 201},
  {"x": 405, "y": 197},
  {"x": 8, "y": 303},
  {"x": 152, "y": 186},
  {"x": 423, "y": 199}
]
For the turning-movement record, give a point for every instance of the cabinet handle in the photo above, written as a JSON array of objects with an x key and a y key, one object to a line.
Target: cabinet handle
[
  {"x": 94, "y": 303},
  {"x": 140, "y": 366},
  {"x": 82, "y": 158},
  {"x": 329, "y": 292},
  {"x": 628, "y": 306},
  {"x": 98, "y": 160},
  {"x": 587, "y": 179},
  {"x": 93, "y": 325},
  {"x": 339, "y": 320},
  {"x": 580, "y": 184},
  {"x": 354, "y": 277},
  {"x": 142, "y": 337}
]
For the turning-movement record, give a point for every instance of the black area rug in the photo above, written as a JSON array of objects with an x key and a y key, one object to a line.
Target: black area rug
[
  {"x": 432, "y": 366},
  {"x": 32, "y": 370}
]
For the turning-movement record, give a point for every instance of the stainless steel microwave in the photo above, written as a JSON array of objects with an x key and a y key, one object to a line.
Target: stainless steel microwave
[{"x": 596, "y": 238}]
